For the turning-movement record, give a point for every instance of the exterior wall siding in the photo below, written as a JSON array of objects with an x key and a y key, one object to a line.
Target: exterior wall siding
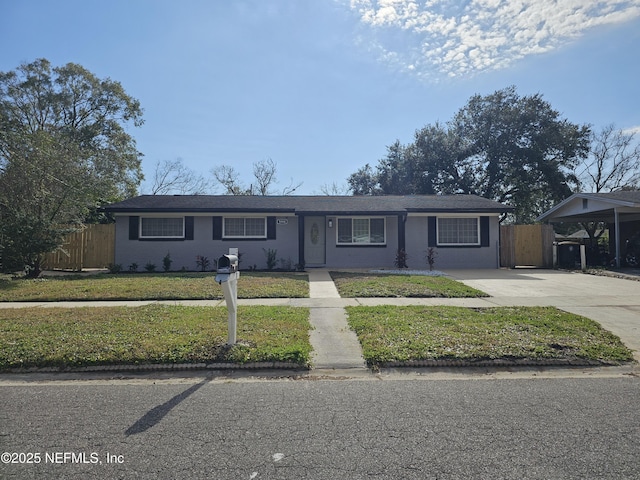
[
  {"x": 417, "y": 232},
  {"x": 364, "y": 256},
  {"x": 184, "y": 252}
]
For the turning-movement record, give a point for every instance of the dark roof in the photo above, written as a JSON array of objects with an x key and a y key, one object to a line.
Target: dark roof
[
  {"x": 631, "y": 196},
  {"x": 318, "y": 204}
]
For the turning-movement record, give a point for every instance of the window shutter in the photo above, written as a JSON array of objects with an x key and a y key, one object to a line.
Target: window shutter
[
  {"x": 134, "y": 229},
  {"x": 431, "y": 232},
  {"x": 188, "y": 228},
  {"x": 271, "y": 228},
  {"x": 484, "y": 231},
  {"x": 217, "y": 228}
]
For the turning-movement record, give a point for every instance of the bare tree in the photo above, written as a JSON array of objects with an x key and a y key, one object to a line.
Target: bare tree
[
  {"x": 335, "y": 189},
  {"x": 264, "y": 173},
  {"x": 613, "y": 162},
  {"x": 174, "y": 177},
  {"x": 229, "y": 178}
]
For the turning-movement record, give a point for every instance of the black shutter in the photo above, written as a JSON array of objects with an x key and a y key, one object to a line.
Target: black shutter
[
  {"x": 188, "y": 228},
  {"x": 484, "y": 231},
  {"x": 402, "y": 243},
  {"x": 217, "y": 228},
  {"x": 431, "y": 232},
  {"x": 134, "y": 223},
  {"x": 271, "y": 228}
]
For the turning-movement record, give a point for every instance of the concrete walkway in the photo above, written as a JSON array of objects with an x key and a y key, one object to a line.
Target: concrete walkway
[{"x": 335, "y": 345}]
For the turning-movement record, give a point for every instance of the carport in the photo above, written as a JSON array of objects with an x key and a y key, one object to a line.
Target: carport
[{"x": 618, "y": 209}]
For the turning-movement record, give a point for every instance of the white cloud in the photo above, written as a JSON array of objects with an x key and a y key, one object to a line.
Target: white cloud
[
  {"x": 632, "y": 130},
  {"x": 466, "y": 38}
]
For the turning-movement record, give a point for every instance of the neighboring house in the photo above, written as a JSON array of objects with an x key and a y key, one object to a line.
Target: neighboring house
[
  {"x": 314, "y": 231},
  {"x": 619, "y": 210}
]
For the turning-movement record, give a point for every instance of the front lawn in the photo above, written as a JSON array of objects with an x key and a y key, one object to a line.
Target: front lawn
[
  {"x": 401, "y": 334},
  {"x": 353, "y": 285},
  {"x": 73, "y": 337},
  {"x": 151, "y": 286}
]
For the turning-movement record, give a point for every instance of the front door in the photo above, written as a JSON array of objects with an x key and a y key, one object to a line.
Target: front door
[{"x": 314, "y": 241}]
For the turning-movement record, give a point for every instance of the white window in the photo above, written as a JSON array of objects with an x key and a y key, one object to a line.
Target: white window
[
  {"x": 459, "y": 231},
  {"x": 162, "y": 227},
  {"x": 245, "y": 227},
  {"x": 361, "y": 231}
]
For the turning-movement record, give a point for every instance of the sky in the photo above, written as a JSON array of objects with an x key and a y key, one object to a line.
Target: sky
[{"x": 322, "y": 87}]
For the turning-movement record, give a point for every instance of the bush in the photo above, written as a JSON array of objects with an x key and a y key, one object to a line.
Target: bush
[
  {"x": 202, "y": 262},
  {"x": 114, "y": 268},
  {"x": 272, "y": 255},
  {"x": 150, "y": 267},
  {"x": 432, "y": 253},
  {"x": 401, "y": 259},
  {"x": 166, "y": 262}
]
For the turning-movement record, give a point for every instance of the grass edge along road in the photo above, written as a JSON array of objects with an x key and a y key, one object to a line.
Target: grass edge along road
[
  {"x": 88, "y": 336},
  {"x": 405, "y": 334}
]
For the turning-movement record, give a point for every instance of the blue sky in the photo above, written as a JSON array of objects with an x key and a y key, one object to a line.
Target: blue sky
[{"x": 323, "y": 86}]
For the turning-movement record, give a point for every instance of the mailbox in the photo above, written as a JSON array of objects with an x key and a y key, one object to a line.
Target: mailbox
[{"x": 228, "y": 264}]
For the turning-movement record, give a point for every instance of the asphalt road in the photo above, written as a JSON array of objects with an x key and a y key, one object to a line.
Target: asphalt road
[{"x": 528, "y": 428}]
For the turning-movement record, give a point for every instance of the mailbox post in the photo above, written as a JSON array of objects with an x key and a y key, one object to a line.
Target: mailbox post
[{"x": 227, "y": 276}]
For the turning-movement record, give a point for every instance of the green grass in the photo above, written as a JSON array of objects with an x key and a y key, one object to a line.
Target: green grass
[
  {"x": 386, "y": 285},
  {"x": 73, "y": 337},
  {"x": 390, "y": 333},
  {"x": 151, "y": 286}
]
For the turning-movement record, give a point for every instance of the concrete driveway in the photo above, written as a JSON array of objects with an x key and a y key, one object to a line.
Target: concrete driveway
[{"x": 612, "y": 302}]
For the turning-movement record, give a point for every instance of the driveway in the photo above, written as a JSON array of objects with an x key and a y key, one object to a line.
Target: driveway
[{"x": 612, "y": 302}]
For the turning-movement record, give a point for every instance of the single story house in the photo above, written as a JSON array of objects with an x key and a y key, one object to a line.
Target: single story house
[
  {"x": 314, "y": 231},
  {"x": 619, "y": 210}
]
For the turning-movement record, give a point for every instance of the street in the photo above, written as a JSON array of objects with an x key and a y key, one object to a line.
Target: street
[{"x": 199, "y": 427}]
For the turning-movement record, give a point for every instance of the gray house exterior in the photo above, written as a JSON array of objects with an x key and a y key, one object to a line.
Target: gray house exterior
[{"x": 314, "y": 231}]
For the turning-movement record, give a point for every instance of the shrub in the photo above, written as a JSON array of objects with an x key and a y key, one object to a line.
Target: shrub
[
  {"x": 432, "y": 253},
  {"x": 286, "y": 264},
  {"x": 202, "y": 262},
  {"x": 271, "y": 255},
  {"x": 114, "y": 268},
  {"x": 150, "y": 267},
  {"x": 401, "y": 259},
  {"x": 166, "y": 262}
]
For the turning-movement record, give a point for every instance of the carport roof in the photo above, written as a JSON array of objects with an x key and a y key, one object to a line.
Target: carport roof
[
  {"x": 587, "y": 207},
  {"x": 306, "y": 205}
]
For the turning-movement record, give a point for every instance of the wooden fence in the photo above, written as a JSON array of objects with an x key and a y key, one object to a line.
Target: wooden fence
[
  {"x": 92, "y": 247},
  {"x": 526, "y": 245}
]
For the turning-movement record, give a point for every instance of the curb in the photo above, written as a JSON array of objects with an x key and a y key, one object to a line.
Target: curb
[
  {"x": 552, "y": 362},
  {"x": 258, "y": 366},
  {"x": 163, "y": 367}
]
